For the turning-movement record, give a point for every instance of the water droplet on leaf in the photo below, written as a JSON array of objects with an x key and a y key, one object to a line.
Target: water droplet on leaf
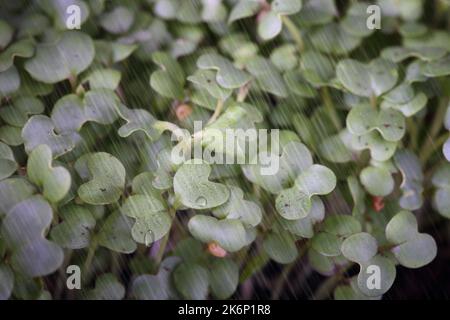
[
  {"x": 149, "y": 238},
  {"x": 201, "y": 201}
]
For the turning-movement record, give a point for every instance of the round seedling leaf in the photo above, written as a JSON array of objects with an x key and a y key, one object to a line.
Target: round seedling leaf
[
  {"x": 224, "y": 278},
  {"x": 373, "y": 79},
  {"x": 106, "y": 176},
  {"x": 377, "y": 181},
  {"x": 67, "y": 57},
  {"x": 193, "y": 188},
  {"x": 32, "y": 254},
  {"x": 359, "y": 247},
  {"x": 280, "y": 247},
  {"x": 229, "y": 234},
  {"x": 152, "y": 220},
  {"x": 191, "y": 280},
  {"x": 54, "y": 181}
]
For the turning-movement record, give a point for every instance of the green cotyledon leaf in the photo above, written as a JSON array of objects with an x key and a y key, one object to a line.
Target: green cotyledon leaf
[
  {"x": 411, "y": 248},
  {"x": 389, "y": 123},
  {"x": 54, "y": 181},
  {"x": 105, "y": 176},
  {"x": 227, "y": 75},
  {"x": 192, "y": 187},
  {"x": 229, "y": 234},
  {"x": 147, "y": 207},
  {"x": 367, "y": 80},
  {"x": 32, "y": 254},
  {"x": 295, "y": 203},
  {"x": 66, "y": 57}
]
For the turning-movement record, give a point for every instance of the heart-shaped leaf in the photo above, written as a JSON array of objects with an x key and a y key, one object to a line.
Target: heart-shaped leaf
[
  {"x": 75, "y": 230},
  {"x": 40, "y": 129},
  {"x": 115, "y": 234},
  {"x": 103, "y": 79},
  {"x": 280, "y": 247},
  {"x": 22, "y": 48},
  {"x": 224, "y": 278},
  {"x": 227, "y": 76},
  {"x": 267, "y": 76},
  {"x": 169, "y": 81},
  {"x": 270, "y": 25},
  {"x": 191, "y": 280},
  {"x": 192, "y": 187},
  {"x": 359, "y": 247},
  {"x": 151, "y": 216},
  {"x": 367, "y": 80},
  {"x": 140, "y": 120},
  {"x": 156, "y": 287},
  {"x": 32, "y": 254},
  {"x": 377, "y": 181},
  {"x": 295, "y": 203},
  {"x": 54, "y": 181},
  {"x": 341, "y": 225},
  {"x": 71, "y": 112},
  {"x": 305, "y": 227},
  {"x": 106, "y": 177},
  {"x": 238, "y": 208},
  {"x": 295, "y": 158},
  {"x": 67, "y": 57},
  {"x": 410, "y": 107},
  {"x": 363, "y": 119},
  {"x": 333, "y": 39},
  {"x": 16, "y": 113},
  {"x": 206, "y": 79},
  {"x": 229, "y": 234},
  {"x": 412, "y": 249},
  {"x": 380, "y": 149}
]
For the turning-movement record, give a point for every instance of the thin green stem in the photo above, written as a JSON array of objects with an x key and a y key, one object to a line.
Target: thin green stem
[
  {"x": 284, "y": 276},
  {"x": 437, "y": 120},
  {"x": 324, "y": 291},
  {"x": 431, "y": 147},
  {"x": 217, "y": 111},
  {"x": 295, "y": 33},
  {"x": 164, "y": 241},
  {"x": 373, "y": 101},
  {"x": 90, "y": 255},
  {"x": 329, "y": 105},
  {"x": 243, "y": 92}
]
